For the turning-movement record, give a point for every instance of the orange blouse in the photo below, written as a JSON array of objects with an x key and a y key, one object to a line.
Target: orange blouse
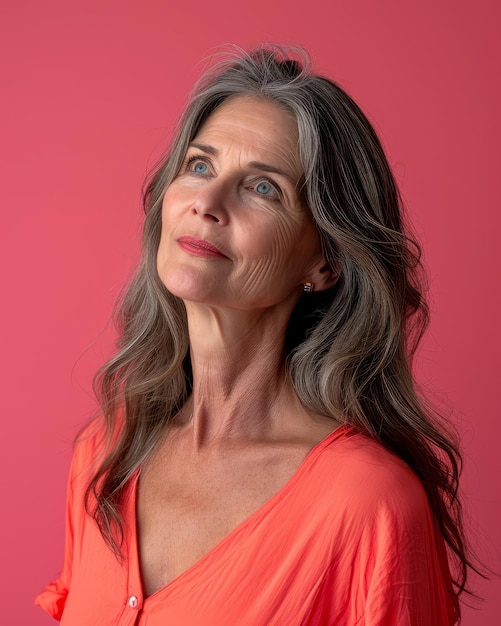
[{"x": 348, "y": 541}]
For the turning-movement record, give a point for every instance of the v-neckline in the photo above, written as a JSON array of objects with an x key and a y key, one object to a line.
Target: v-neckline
[{"x": 134, "y": 570}]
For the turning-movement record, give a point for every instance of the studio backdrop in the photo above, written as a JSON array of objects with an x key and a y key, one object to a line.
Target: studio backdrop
[{"x": 90, "y": 92}]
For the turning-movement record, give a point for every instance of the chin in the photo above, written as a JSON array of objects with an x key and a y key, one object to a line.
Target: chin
[{"x": 189, "y": 285}]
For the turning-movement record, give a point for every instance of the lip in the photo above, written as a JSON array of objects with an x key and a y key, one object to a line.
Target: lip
[{"x": 200, "y": 247}]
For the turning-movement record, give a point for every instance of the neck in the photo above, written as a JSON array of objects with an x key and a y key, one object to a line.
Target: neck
[{"x": 240, "y": 387}]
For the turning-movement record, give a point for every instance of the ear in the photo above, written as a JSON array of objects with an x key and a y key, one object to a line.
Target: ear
[{"x": 323, "y": 276}]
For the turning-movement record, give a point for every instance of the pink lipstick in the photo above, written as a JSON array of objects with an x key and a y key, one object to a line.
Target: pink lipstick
[{"x": 199, "y": 247}]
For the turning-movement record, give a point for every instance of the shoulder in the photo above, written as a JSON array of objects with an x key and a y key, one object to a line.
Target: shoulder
[
  {"x": 380, "y": 528},
  {"x": 363, "y": 475},
  {"x": 91, "y": 445},
  {"x": 375, "y": 509}
]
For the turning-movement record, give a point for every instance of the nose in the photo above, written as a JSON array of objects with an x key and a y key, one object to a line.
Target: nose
[{"x": 211, "y": 202}]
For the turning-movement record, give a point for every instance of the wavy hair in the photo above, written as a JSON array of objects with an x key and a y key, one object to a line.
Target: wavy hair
[{"x": 349, "y": 349}]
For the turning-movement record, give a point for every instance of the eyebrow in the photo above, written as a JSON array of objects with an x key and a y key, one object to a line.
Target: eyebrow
[
  {"x": 204, "y": 148},
  {"x": 258, "y": 165}
]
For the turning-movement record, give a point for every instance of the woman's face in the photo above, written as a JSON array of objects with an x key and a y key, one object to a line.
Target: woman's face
[{"x": 234, "y": 229}]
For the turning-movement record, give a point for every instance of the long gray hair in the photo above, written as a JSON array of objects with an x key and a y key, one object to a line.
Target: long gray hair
[{"x": 348, "y": 349}]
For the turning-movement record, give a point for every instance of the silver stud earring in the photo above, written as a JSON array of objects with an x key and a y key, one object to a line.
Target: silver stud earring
[{"x": 308, "y": 287}]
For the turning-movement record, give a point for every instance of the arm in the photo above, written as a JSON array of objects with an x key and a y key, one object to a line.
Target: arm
[
  {"x": 408, "y": 580},
  {"x": 52, "y": 599}
]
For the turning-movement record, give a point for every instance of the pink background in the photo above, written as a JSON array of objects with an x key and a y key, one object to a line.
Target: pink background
[{"x": 90, "y": 90}]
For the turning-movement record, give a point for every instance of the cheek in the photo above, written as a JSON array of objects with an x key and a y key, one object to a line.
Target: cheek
[
  {"x": 168, "y": 221},
  {"x": 298, "y": 249},
  {"x": 263, "y": 240},
  {"x": 168, "y": 210},
  {"x": 177, "y": 198},
  {"x": 282, "y": 240},
  {"x": 171, "y": 216}
]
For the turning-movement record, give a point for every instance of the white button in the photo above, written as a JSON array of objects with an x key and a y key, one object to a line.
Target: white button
[{"x": 133, "y": 602}]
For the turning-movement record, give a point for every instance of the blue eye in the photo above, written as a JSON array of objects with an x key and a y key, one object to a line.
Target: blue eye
[
  {"x": 200, "y": 167},
  {"x": 264, "y": 188}
]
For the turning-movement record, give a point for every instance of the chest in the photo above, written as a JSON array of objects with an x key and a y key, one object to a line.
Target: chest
[{"x": 187, "y": 506}]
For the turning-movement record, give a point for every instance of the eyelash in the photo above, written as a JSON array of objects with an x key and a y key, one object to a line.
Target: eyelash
[
  {"x": 196, "y": 157},
  {"x": 277, "y": 189}
]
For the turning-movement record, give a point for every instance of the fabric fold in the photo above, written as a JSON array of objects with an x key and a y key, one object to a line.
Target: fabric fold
[{"x": 52, "y": 599}]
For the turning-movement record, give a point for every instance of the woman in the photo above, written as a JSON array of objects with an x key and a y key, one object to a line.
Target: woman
[{"x": 264, "y": 458}]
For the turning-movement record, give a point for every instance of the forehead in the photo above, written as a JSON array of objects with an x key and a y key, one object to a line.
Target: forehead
[
  {"x": 255, "y": 108},
  {"x": 251, "y": 125}
]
